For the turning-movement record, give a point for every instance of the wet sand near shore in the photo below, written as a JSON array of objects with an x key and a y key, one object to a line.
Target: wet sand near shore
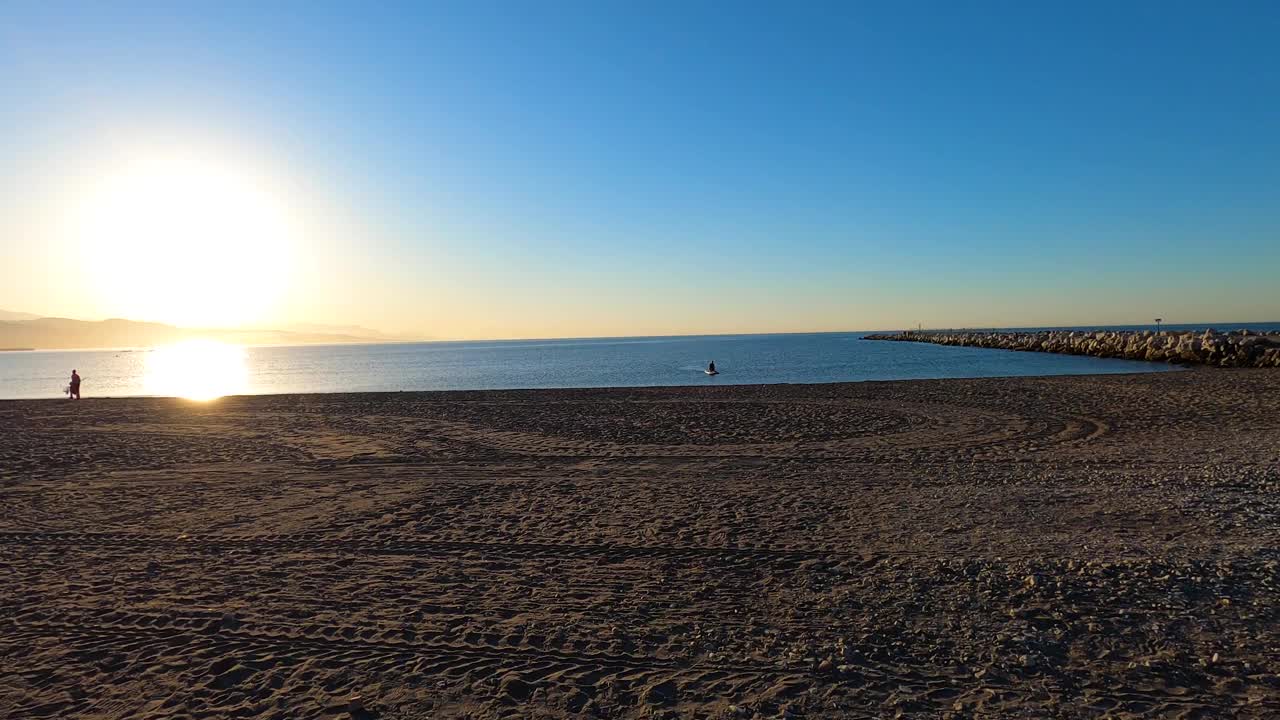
[{"x": 1068, "y": 547}]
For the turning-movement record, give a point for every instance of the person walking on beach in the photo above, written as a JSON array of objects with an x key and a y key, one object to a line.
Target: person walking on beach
[{"x": 73, "y": 391}]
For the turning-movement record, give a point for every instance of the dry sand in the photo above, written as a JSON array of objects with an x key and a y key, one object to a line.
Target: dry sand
[{"x": 1045, "y": 547}]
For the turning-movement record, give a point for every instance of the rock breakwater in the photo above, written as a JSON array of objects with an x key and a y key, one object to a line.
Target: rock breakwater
[{"x": 1240, "y": 348}]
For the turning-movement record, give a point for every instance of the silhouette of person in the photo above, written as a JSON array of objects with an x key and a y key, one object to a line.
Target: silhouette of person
[
  {"x": 73, "y": 393},
  {"x": 712, "y": 366}
]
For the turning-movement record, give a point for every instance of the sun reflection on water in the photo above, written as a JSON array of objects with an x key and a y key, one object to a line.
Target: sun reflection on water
[{"x": 197, "y": 370}]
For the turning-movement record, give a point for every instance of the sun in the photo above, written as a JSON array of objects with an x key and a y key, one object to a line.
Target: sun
[{"x": 184, "y": 237}]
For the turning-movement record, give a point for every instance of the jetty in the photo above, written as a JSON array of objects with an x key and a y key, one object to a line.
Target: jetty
[{"x": 1238, "y": 348}]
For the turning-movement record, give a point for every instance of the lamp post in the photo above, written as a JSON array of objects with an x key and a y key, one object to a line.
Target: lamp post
[{"x": 1158, "y": 321}]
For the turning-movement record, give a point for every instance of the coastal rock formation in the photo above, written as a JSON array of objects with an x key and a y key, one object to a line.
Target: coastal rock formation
[{"x": 1241, "y": 348}]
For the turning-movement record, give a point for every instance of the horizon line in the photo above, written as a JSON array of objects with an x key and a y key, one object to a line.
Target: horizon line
[{"x": 628, "y": 337}]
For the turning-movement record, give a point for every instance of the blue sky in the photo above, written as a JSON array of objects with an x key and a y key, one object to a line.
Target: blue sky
[{"x": 532, "y": 169}]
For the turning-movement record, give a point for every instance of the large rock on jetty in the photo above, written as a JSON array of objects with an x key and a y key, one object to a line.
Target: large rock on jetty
[{"x": 1240, "y": 348}]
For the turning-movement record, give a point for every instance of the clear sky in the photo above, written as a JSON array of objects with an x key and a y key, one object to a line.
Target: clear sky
[{"x": 539, "y": 169}]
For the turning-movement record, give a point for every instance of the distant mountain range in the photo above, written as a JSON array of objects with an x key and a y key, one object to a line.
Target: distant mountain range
[{"x": 26, "y": 331}]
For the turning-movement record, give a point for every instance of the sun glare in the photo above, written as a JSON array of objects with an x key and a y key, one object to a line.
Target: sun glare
[
  {"x": 185, "y": 238},
  {"x": 197, "y": 370}
]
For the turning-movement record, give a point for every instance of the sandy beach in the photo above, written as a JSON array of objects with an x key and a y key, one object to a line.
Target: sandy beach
[{"x": 1067, "y": 547}]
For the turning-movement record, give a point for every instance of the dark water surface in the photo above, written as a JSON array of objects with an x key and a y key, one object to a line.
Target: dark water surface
[{"x": 742, "y": 359}]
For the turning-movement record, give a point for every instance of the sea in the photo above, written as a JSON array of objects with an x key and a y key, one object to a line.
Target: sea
[{"x": 205, "y": 369}]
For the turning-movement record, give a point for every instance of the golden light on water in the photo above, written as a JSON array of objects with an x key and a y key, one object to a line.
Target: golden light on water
[{"x": 197, "y": 370}]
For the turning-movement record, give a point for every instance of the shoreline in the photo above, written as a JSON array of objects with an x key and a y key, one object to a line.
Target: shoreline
[
  {"x": 339, "y": 394},
  {"x": 705, "y": 385},
  {"x": 1051, "y": 546}
]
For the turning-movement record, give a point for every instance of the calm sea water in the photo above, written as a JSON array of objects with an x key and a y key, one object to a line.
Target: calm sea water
[{"x": 742, "y": 359}]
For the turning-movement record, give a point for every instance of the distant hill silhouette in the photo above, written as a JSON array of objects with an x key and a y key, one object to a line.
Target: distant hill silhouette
[
  {"x": 350, "y": 330},
  {"x": 46, "y": 333},
  {"x": 7, "y": 315}
]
